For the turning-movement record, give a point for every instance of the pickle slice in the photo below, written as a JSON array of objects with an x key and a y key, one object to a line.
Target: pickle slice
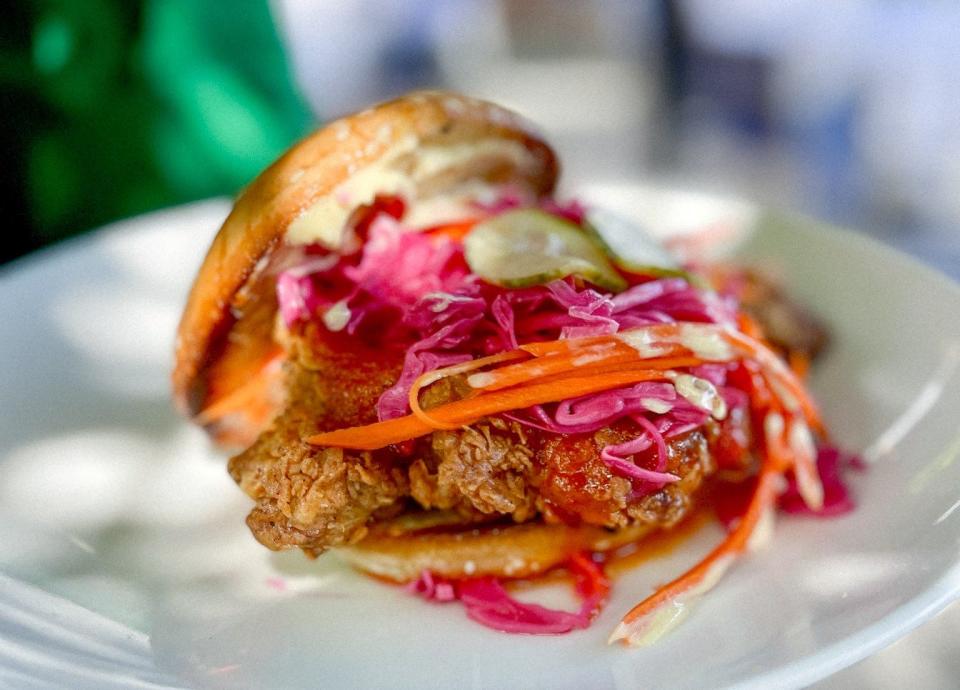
[
  {"x": 531, "y": 247},
  {"x": 629, "y": 247}
]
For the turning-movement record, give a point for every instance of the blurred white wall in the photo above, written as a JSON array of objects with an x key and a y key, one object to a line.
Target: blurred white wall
[
  {"x": 576, "y": 69},
  {"x": 844, "y": 109}
]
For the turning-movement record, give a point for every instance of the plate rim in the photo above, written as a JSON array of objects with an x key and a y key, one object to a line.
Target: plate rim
[{"x": 801, "y": 672}]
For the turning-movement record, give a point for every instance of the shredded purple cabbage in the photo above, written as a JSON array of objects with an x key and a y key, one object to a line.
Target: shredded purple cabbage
[
  {"x": 488, "y": 603},
  {"x": 392, "y": 272},
  {"x": 832, "y": 466},
  {"x": 296, "y": 294},
  {"x": 421, "y": 285},
  {"x": 432, "y": 588}
]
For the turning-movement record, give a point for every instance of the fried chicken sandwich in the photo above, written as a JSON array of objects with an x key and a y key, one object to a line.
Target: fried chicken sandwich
[{"x": 436, "y": 367}]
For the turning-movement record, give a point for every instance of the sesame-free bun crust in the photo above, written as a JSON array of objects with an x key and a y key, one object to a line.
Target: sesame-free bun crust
[{"x": 424, "y": 144}]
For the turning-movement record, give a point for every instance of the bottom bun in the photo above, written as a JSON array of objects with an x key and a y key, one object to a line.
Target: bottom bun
[{"x": 401, "y": 549}]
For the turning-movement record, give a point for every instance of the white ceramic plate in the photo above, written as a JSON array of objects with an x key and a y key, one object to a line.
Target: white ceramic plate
[{"x": 125, "y": 561}]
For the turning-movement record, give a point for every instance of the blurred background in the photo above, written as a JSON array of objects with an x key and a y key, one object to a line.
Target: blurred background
[{"x": 846, "y": 110}]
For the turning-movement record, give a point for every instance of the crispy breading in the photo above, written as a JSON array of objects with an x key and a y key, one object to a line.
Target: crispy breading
[
  {"x": 317, "y": 497},
  {"x": 576, "y": 482},
  {"x": 485, "y": 468},
  {"x": 314, "y": 498}
]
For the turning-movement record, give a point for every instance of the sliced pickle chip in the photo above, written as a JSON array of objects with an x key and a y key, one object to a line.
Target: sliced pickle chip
[
  {"x": 531, "y": 247},
  {"x": 629, "y": 247}
]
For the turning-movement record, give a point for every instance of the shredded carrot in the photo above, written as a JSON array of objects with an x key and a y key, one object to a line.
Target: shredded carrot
[
  {"x": 252, "y": 398},
  {"x": 761, "y": 397},
  {"x": 564, "y": 369},
  {"x": 735, "y": 543},
  {"x": 566, "y": 346},
  {"x": 778, "y": 457},
  {"x": 553, "y": 375},
  {"x": 538, "y": 367},
  {"x": 430, "y": 377},
  {"x": 542, "y": 367},
  {"x": 749, "y": 327},
  {"x": 598, "y": 370},
  {"x": 429, "y": 419},
  {"x": 775, "y": 369},
  {"x": 380, "y": 434},
  {"x": 748, "y": 346},
  {"x": 591, "y": 581},
  {"x": 799, "y": 363},
  {"x": 466, "y": 411},
  {"x": 657, "y": 332},
  {"x": 455, "y": 231},
  {"x": 373, "y": 436}
]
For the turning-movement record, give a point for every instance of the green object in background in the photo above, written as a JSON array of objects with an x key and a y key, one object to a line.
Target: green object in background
[
  {"x": 129, "y": 106},
  {"x": 228, "y": 103}
]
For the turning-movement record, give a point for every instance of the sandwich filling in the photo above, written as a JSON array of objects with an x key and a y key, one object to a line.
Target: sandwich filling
[{"x": 508, "y": 367}]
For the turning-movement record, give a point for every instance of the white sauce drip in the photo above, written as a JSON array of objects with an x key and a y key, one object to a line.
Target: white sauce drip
[
  {"x": 648, "y": 629},
  {"x": 656, "y": 405},
  {"x": 444, "y": 300},
  {"x": 642, "y": 341},
  {"x": 773, "y": 427},
  {"x": 337, "y": 316},
  {"x": 700, "y": 392},
  {"x": 323, "y": 221},
  {"x": 481, "y": 380},
  {"x": 590, "y": 358},
  {"x": 705, "y": 342}
]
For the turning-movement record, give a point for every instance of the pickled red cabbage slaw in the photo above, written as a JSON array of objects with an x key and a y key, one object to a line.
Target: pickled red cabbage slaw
[
  {"x": 451, "y": 317},
  {"x": 488, "y": 603},
  {"x": 416, "y": 288},
  {"x": 387, "y": 276},
  {"x": 833, "y": 466}
]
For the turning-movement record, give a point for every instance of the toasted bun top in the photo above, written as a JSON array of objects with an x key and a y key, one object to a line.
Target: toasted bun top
[{"x": 421, "y": 146}]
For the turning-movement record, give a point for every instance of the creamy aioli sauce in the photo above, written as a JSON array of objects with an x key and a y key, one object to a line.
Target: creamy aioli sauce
[
  {"x": 706, "y": 342},
  {"x": 773, "y": 427},
  {"x": 324, "y": 220},
  {"x": 641, "y": 340},
  {"x": 481, "y": 380},
  {"x": 648, "y": 629},
  {"x": 699, "y": 392},
  {"x": 656, "y": 405},
  {"x": 337, "y": 316}
]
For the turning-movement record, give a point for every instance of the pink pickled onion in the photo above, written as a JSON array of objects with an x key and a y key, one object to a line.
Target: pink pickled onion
[
  {"x": 572, "y": 210},
  {"x": 488, "y": 603},
  {"x": 832, "y": 464},
  {"x": 611, "y": 456},
  {"x": 451, "y": 319},
  {"x": 399, "y": 267},
  {"x": 431, "y": 588},
  {"x": 297, "y": 297}
]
